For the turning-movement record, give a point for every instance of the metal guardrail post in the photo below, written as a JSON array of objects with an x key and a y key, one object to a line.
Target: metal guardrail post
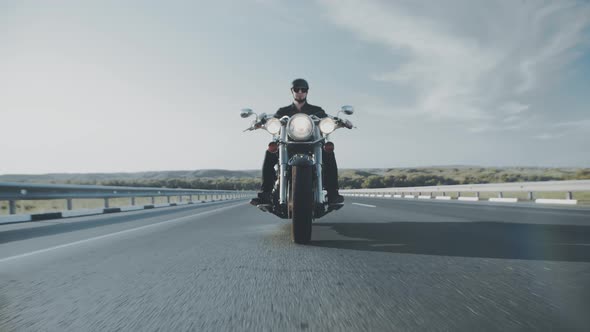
[
  {"x": 168, "y": 198},
  {"x": 180, "y": 198},
  {"x": 132, "y": 200},
  {"x": 106, "y": 203},
  {"x": 153, "y": 200},
  {"x": 69, "y": 204},
  {"x": 531, "y": 197},
  {"x": 458, "y": 194},
  {"x": 569, "y": 195},
  {"x": 500, "y": 195},
  {"x": 477, "y": 194},
  {"x": 12, "y": 207}
]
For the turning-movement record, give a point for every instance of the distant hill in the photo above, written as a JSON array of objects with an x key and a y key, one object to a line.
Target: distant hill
[
  {"x": 100, "y": 178},
  {"x": 348, "y": 178}
]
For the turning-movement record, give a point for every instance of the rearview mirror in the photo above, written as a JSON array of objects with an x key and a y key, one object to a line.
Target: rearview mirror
[
  {"x": 347, "y": 109},
  {"x": 246, "y": 112}
]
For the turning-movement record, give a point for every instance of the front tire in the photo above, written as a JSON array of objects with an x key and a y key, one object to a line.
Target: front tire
[{"x": 302, "y": 204}]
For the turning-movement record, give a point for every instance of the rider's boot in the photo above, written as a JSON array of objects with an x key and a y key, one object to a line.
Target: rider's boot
[
  {"x": 335, "y": 198},
  {"x": 263, "y": 197}
]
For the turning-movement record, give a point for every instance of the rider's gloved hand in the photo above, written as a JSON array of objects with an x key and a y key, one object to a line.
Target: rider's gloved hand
[
  {"x": 273, "y": 147},
  {"x": 329, "y": 147}
]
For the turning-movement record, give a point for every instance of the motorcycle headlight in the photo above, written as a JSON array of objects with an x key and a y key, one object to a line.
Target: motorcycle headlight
[
  {"x": 327, "y": 125},
  {"x": 273, "y": 126},
  {"x": 300, "y": 127}
]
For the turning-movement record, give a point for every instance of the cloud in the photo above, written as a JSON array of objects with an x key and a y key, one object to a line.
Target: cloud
[
  {"x": 548, "y": 136},
  {"x": 563, "y": 128},
  {"x": 514, "y": 108},
  {"x": 477, "y": 63},
  {"x": 583, "y": 124}
]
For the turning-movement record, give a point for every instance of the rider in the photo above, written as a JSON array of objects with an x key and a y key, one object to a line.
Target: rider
[{"x": 299, "y": 89}]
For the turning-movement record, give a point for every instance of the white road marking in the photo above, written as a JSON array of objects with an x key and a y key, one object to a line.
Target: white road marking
[
  {"x": 367, "y": 205},
  {"x": 3, "y": 260}
]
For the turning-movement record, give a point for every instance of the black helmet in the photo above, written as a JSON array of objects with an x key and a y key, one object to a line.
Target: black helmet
[{"x": 299, "y": 83}]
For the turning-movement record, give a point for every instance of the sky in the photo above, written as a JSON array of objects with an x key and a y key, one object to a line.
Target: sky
[{"x": 113, "y": 86}]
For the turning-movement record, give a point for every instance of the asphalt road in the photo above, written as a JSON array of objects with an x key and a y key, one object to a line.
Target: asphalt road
[{"x": 394, "y": 265}]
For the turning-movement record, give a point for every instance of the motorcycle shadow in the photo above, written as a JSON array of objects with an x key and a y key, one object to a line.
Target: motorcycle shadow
[{"x": 473, "y": 239}]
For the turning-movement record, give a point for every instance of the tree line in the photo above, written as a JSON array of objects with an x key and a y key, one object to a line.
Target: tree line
[{"x": 355, "y": 182}]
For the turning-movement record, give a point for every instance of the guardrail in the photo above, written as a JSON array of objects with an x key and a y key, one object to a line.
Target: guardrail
[
  {"x": 567, "y": 187},
  {"x": 13, "y": 192}
]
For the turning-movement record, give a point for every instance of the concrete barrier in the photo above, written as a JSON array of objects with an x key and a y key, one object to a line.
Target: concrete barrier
[
  {"x": 556, "y": 201},
  {"x": 504, "y": 200},
  {"x": 15, "y": 218},
  {"x": 83, "y": 212},
  {"x": 470, "y": 199},
  {"x": 424, "y": 197},
  {"x": 447, "y": 198},
  {"x": 132, "y": 208}
]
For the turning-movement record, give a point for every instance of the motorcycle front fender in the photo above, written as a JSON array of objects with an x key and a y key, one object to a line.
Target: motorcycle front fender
[{"x": 301, "y": 161}]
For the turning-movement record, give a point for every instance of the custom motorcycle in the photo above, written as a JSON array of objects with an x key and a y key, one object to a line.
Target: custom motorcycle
[{"x": 298, "y": 191}]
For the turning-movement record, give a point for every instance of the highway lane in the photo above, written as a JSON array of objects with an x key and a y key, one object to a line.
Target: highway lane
[{"x": 400, "y": 265}]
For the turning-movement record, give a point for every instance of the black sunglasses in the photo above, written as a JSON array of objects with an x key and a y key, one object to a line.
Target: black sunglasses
[{"x": 304, "y": 90}]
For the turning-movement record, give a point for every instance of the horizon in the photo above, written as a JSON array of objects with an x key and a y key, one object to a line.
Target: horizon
[{"x": 258, "y": 170}]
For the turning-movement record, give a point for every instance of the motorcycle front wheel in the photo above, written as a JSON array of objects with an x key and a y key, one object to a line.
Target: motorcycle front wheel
[{"x": 302, "y": 204}]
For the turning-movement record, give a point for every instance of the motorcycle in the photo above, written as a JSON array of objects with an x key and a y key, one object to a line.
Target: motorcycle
[{"x": 298, "y": 191}]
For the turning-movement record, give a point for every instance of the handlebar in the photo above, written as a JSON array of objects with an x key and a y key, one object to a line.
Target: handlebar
[
  {"x": 343, "y": 123},
  {"x": 259, "y": 123}
]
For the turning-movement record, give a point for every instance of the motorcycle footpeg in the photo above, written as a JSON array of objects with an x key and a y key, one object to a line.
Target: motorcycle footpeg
[
  {"x": 264, "y": 207},
  {"x": 335, "y": 206}
]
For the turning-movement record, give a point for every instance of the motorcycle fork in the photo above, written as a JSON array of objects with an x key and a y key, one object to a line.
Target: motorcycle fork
[
  {"x": 283, "y": 164},
  {"x": 318, "y": 153},
  {"x": 319, "y": 196}
]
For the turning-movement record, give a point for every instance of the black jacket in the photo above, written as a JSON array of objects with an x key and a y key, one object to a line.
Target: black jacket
[{"x": 307, "y": 109}]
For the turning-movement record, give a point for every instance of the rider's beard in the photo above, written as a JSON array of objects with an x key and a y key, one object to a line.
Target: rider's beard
[{"x": 301, "y": 100}]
